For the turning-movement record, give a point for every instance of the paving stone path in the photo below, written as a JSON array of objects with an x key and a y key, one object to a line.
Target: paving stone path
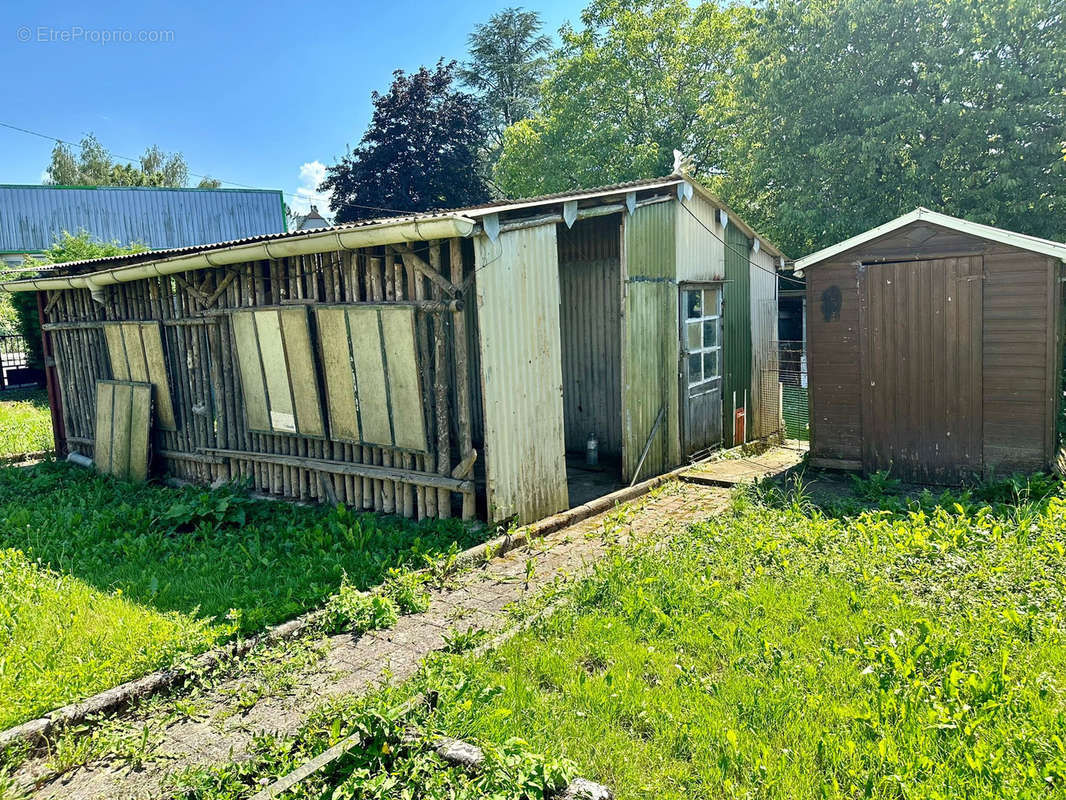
[{"x": 231, "y": 713}]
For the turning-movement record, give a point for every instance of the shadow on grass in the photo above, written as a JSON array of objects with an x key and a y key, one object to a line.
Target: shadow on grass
[
  {"x": 36, "y": 397},
  {"x": 207, "y": 554},
  {"x": 842, "y": 495}
]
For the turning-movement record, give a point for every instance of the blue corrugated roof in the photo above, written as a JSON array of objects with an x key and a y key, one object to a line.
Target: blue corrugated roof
[{"x": 31, "y": 217}]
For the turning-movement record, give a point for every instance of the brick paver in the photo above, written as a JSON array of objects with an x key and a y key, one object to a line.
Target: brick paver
[{"x": 476, "y": 600}]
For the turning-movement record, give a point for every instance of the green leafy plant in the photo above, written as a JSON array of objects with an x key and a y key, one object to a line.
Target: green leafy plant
[
  {"x": 874, "y": 486},
  {"x": 353, "y": 610},
  {"x": 406, "y": 589},
  {"x": 220, "y": 508},
  {"x": 102, "y": 581}
]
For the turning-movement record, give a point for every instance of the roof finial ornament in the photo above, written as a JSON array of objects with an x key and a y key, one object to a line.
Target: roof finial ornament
[{"x": 682, "y": 163}]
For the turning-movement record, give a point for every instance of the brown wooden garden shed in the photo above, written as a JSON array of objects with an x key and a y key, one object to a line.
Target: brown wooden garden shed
[{"x": 935, "y": 350}]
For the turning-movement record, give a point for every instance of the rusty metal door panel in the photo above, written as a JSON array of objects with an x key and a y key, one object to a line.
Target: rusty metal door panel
[
  {"x": 921, "y": 352},
  {"x": 521, "y": 373}
]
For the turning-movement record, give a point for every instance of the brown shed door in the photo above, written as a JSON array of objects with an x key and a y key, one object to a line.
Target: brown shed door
[{"x": 920, "y": 325}]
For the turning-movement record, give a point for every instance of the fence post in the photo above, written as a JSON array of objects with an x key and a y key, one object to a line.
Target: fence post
[{"x": 54, "y": 400}]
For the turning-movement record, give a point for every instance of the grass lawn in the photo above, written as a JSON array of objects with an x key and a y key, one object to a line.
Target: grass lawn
[
  {"x": 102, "y": 581},
  {"x": 25, "y": 422},
  {"x": 778, "y": 651}
]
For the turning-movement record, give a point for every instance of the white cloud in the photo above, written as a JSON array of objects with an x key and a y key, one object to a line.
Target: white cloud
[{"x": 312, "y": 173}]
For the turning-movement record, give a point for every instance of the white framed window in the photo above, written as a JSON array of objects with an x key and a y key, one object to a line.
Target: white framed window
[{"x": 702, "y": 335}]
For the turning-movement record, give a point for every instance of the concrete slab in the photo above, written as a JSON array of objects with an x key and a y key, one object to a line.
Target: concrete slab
[{"x": 731, "y": 471}]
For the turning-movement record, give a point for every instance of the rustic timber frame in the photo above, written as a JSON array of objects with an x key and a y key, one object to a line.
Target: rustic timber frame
[
  {"x": 431, "y": 366},
  {"x": 213, "y": 440}
]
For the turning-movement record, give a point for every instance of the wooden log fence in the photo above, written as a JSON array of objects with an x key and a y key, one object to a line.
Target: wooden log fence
[{"x": 213, "y": 443}]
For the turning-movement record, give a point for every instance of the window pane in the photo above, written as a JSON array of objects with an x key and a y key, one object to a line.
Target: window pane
[
  {"x": 693, "y": 336},
  {"x": 710, "y": 302},
  {"x": 710, "y": 364},
  {"x": 694, "y": 374},
  {"x": 692, "y": 304},
  {"x": 710, "y": 333}
]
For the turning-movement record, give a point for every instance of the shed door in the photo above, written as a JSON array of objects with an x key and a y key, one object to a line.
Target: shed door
[
  {"x": 701, "y": 367},
  {"x": 521, "y": 373},
  {"x": 920, "y": 326}
]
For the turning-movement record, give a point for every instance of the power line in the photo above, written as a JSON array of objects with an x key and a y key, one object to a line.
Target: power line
[
  {"x": 739, "y": 253},
  {"x": 190, "y": 172}
]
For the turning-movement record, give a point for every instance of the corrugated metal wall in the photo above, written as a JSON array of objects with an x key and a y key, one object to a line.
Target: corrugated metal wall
[
  {"x": 736, "y": 337},
  {"x": 590, "y": 285},
  {"x": 765, "y": 405},
  {"x": 32, "y": 216},
  {"x": 650, "y": 348},
  {"x": 700, "y": 253},
  {"x": 521, "y": 369}
]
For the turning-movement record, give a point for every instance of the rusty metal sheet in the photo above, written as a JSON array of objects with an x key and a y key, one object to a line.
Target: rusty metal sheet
[{"x": 521, "y": 370}]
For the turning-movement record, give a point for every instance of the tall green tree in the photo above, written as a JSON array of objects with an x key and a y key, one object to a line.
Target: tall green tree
[
  {"x": 93, "y": 165},
  {"x": 852, "y": 112},
  {"x": 508, "y": 60},
  {"x": 637, "y": 80},
  {"x": 419, "y": 153}
]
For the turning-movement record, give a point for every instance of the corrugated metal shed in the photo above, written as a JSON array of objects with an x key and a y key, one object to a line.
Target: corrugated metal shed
[
  {"x": 699, "y": 251},
  {"x": 590, "y": 312},
  {"x": 31, "y": 217},
  {"x": 650, "y": 350},
  {"x": 521, "y": 370}
]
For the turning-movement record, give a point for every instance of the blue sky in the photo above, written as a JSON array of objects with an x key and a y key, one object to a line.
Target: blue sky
[{"x": 250, "y": 92}]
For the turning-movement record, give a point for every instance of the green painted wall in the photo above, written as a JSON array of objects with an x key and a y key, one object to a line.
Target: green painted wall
[
  {"x": 650, "y": 345},
  {"x": 736, "y": 337}
]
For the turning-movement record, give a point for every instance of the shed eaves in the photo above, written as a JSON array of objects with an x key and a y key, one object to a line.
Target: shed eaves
[{"x": 1019, "y": 240}]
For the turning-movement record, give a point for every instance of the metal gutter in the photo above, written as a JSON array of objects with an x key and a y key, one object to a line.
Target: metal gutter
[{"x": 326, "y": 241}]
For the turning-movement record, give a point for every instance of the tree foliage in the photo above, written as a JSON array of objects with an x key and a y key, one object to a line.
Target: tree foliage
[
  {"x": 852, "y": 112},
  {"x": 639, "y": 79},
  {"x": 508, "y": 60},
  {"x": 419, "y": 153},
  {"x": 67, "y": 247},
  {"x": 95, "y": 166}
]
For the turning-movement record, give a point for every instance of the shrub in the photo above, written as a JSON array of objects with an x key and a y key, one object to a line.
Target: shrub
[{"x": 352, "y": 610}]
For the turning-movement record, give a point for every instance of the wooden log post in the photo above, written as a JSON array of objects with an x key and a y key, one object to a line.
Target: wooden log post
[
  {"x": 440, "y": 389},
  {"x": 462, "y": 376}
]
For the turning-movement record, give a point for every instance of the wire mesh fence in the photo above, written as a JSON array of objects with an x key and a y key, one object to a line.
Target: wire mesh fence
[{"x": 784, "y": 388}]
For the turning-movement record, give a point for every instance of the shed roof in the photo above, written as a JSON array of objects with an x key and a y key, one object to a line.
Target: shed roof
[
  {"x": 330, "y": 236},
  {"x": 31, "y": 217},
  {"x": 1019, "y": 240}
]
